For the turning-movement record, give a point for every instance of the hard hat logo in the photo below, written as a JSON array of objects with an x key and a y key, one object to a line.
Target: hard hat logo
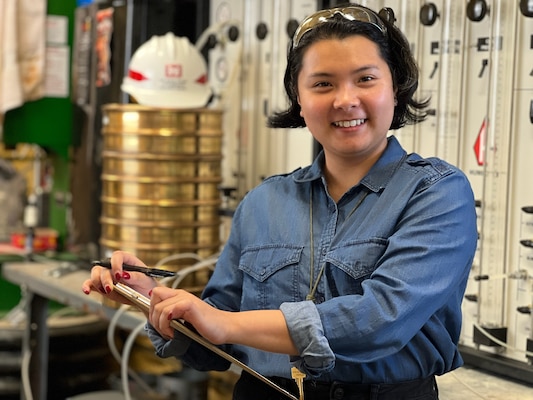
[
  {"x": 173, "y": 71},
  {"x": 168, "y": 71}
]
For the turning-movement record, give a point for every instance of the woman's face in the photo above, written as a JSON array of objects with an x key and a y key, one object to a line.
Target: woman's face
[{"x": 346, "y": 95}]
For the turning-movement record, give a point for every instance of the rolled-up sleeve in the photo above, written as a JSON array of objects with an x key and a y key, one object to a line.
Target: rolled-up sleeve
[
  {"x": 168, "y": 348},
  {"x": 305, "y": 327}
]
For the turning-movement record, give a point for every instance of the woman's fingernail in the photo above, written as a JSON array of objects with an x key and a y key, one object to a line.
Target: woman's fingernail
[
  {"x": 86, "y": 291},
  {"x": 126, "y": 275},
  {"x": 108, "y": 289},
  {"x": 117, "y": 275},
  {"x": 150, "y": 293},
  {"x": 169, "y": 316}
]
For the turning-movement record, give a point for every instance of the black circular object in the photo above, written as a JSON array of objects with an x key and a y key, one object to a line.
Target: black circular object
[
  {"x": 211, "y": 42},
  {"x": 292, "y": 25},
  {"x": 526, "y": 8},
  {"x": 476, "y": 10},
  {"x": 261, "y": 31},
  {"x": 428, "y": 14},
  {"x": 233, "y": 33}
]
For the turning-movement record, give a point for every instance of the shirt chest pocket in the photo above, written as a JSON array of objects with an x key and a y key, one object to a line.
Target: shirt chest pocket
[
  {"x": 356, "y": 261},
  {"x": 270, "y": 275}
]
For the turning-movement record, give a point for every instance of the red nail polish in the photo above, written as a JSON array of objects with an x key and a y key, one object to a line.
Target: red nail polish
[
  {"x": 117, "y": 276},
  {"x": 150, "y": 293},
  {"x": 108, "y": 289},
  {"x": 86, "y": 291},
  {"x": 169, "y": 316},
  {"x": 126, "y": 275}
]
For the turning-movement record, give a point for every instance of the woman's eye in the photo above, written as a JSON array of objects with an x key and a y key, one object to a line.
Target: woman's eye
[
  {"x": 367, "y": 78},
  {"x": 322, "y": 84}
]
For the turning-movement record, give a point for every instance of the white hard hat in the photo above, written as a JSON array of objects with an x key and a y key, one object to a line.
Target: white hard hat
[{"x": 168, "y": 71}]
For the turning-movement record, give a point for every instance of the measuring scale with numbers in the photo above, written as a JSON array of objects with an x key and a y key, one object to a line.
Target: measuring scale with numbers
[{"x": 487, "y": 83}]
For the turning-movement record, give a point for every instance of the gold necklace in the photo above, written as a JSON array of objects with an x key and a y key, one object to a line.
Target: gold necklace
[{"x": 314, "y": 285}]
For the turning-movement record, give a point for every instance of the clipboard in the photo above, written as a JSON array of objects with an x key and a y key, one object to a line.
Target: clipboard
[{"x": 143, "y": 303}]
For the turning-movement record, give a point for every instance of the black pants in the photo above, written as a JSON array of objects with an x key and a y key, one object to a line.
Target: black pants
[{"x": 250, "y": 388}]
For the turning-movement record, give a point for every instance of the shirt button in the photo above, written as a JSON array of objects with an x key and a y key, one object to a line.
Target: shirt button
[{"x": 338, "y": 394}]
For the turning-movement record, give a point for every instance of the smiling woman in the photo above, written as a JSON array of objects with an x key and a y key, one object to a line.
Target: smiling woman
[
  {"x": 348, "y": 106},
  {"x": 352, "y": 269}
]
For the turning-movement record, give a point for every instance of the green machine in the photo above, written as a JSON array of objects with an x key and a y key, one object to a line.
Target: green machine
[{"x": 49, "y": 123}]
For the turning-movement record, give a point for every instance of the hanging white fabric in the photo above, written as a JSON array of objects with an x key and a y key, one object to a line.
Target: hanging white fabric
[
  {"x": 31, "y": 47},
  {"x": 22, "y": 51},
  {"x": 10, "y": 81}
]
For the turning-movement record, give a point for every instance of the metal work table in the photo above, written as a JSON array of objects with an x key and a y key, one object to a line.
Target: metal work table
[{"x": 60, "y": 282}]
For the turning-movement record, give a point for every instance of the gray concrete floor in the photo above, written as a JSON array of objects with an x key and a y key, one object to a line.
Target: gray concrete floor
[{"x": 469, "y": 383}]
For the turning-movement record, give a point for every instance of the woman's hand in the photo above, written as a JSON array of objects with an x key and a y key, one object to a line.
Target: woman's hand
[
  {"x": 262, "y": 329},
  {"x": 167, "y": 304},
  {"x": 102, "y": 279}
]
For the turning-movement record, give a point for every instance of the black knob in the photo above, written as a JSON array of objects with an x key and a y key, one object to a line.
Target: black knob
[
  {"x": 476, "y": 10},
  {"x": 528, "y": 209},
  {"x": 233, "y": 33},
  {"x": 227, "y": 190},
  {"x": 428, "y": 14},
  {"x": 526, "y": 8},
  {"x": 261, "y": 31},
  {"x": 292, "y": 25},
  {"x": 527, "y": 243},
  {"x": 471, "y": 297},
  {"x": 524, "y": 309},
  {"x": 211, "y": 42}
]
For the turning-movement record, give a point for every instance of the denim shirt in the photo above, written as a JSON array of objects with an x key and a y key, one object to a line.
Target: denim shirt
[{"x": 396, "y": 251}]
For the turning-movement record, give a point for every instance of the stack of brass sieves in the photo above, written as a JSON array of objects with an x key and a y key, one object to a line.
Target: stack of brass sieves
[{"x": 160, "y": 178}]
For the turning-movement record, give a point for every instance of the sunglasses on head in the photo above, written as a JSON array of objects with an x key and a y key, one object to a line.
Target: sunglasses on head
[{"x": 351, "y": 13}]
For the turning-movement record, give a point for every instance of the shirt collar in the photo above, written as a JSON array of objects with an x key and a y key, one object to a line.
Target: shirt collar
[{"x": 378, "y": 176}]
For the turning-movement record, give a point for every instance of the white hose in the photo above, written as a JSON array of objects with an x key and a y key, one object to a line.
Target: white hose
[
  {"x": 113, "y": 323},
  {"x": 208, "y": 263},
  {"x": 466, "y": 385},
  {"x": 501, "y": 343},
  {"x": 123, "y": 359},
  {"x": 124, "y": 368},
  {"x": 25, "y": 375},
  {"x": 178, "y": 256},
  {"x": 213, "y": 29}
]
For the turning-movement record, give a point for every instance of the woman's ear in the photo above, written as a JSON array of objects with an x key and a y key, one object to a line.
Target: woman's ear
[{"x": 298, "y": 101}]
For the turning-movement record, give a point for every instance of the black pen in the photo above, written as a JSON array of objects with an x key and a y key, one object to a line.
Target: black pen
[{"x": 153, "y": 272}]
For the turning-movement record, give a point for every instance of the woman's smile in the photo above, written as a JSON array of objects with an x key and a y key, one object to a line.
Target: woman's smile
[{"x": 349, "y": 123}]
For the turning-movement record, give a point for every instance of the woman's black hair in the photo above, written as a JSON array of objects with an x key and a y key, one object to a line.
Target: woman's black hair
[{"x": 394, "y": 49}]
